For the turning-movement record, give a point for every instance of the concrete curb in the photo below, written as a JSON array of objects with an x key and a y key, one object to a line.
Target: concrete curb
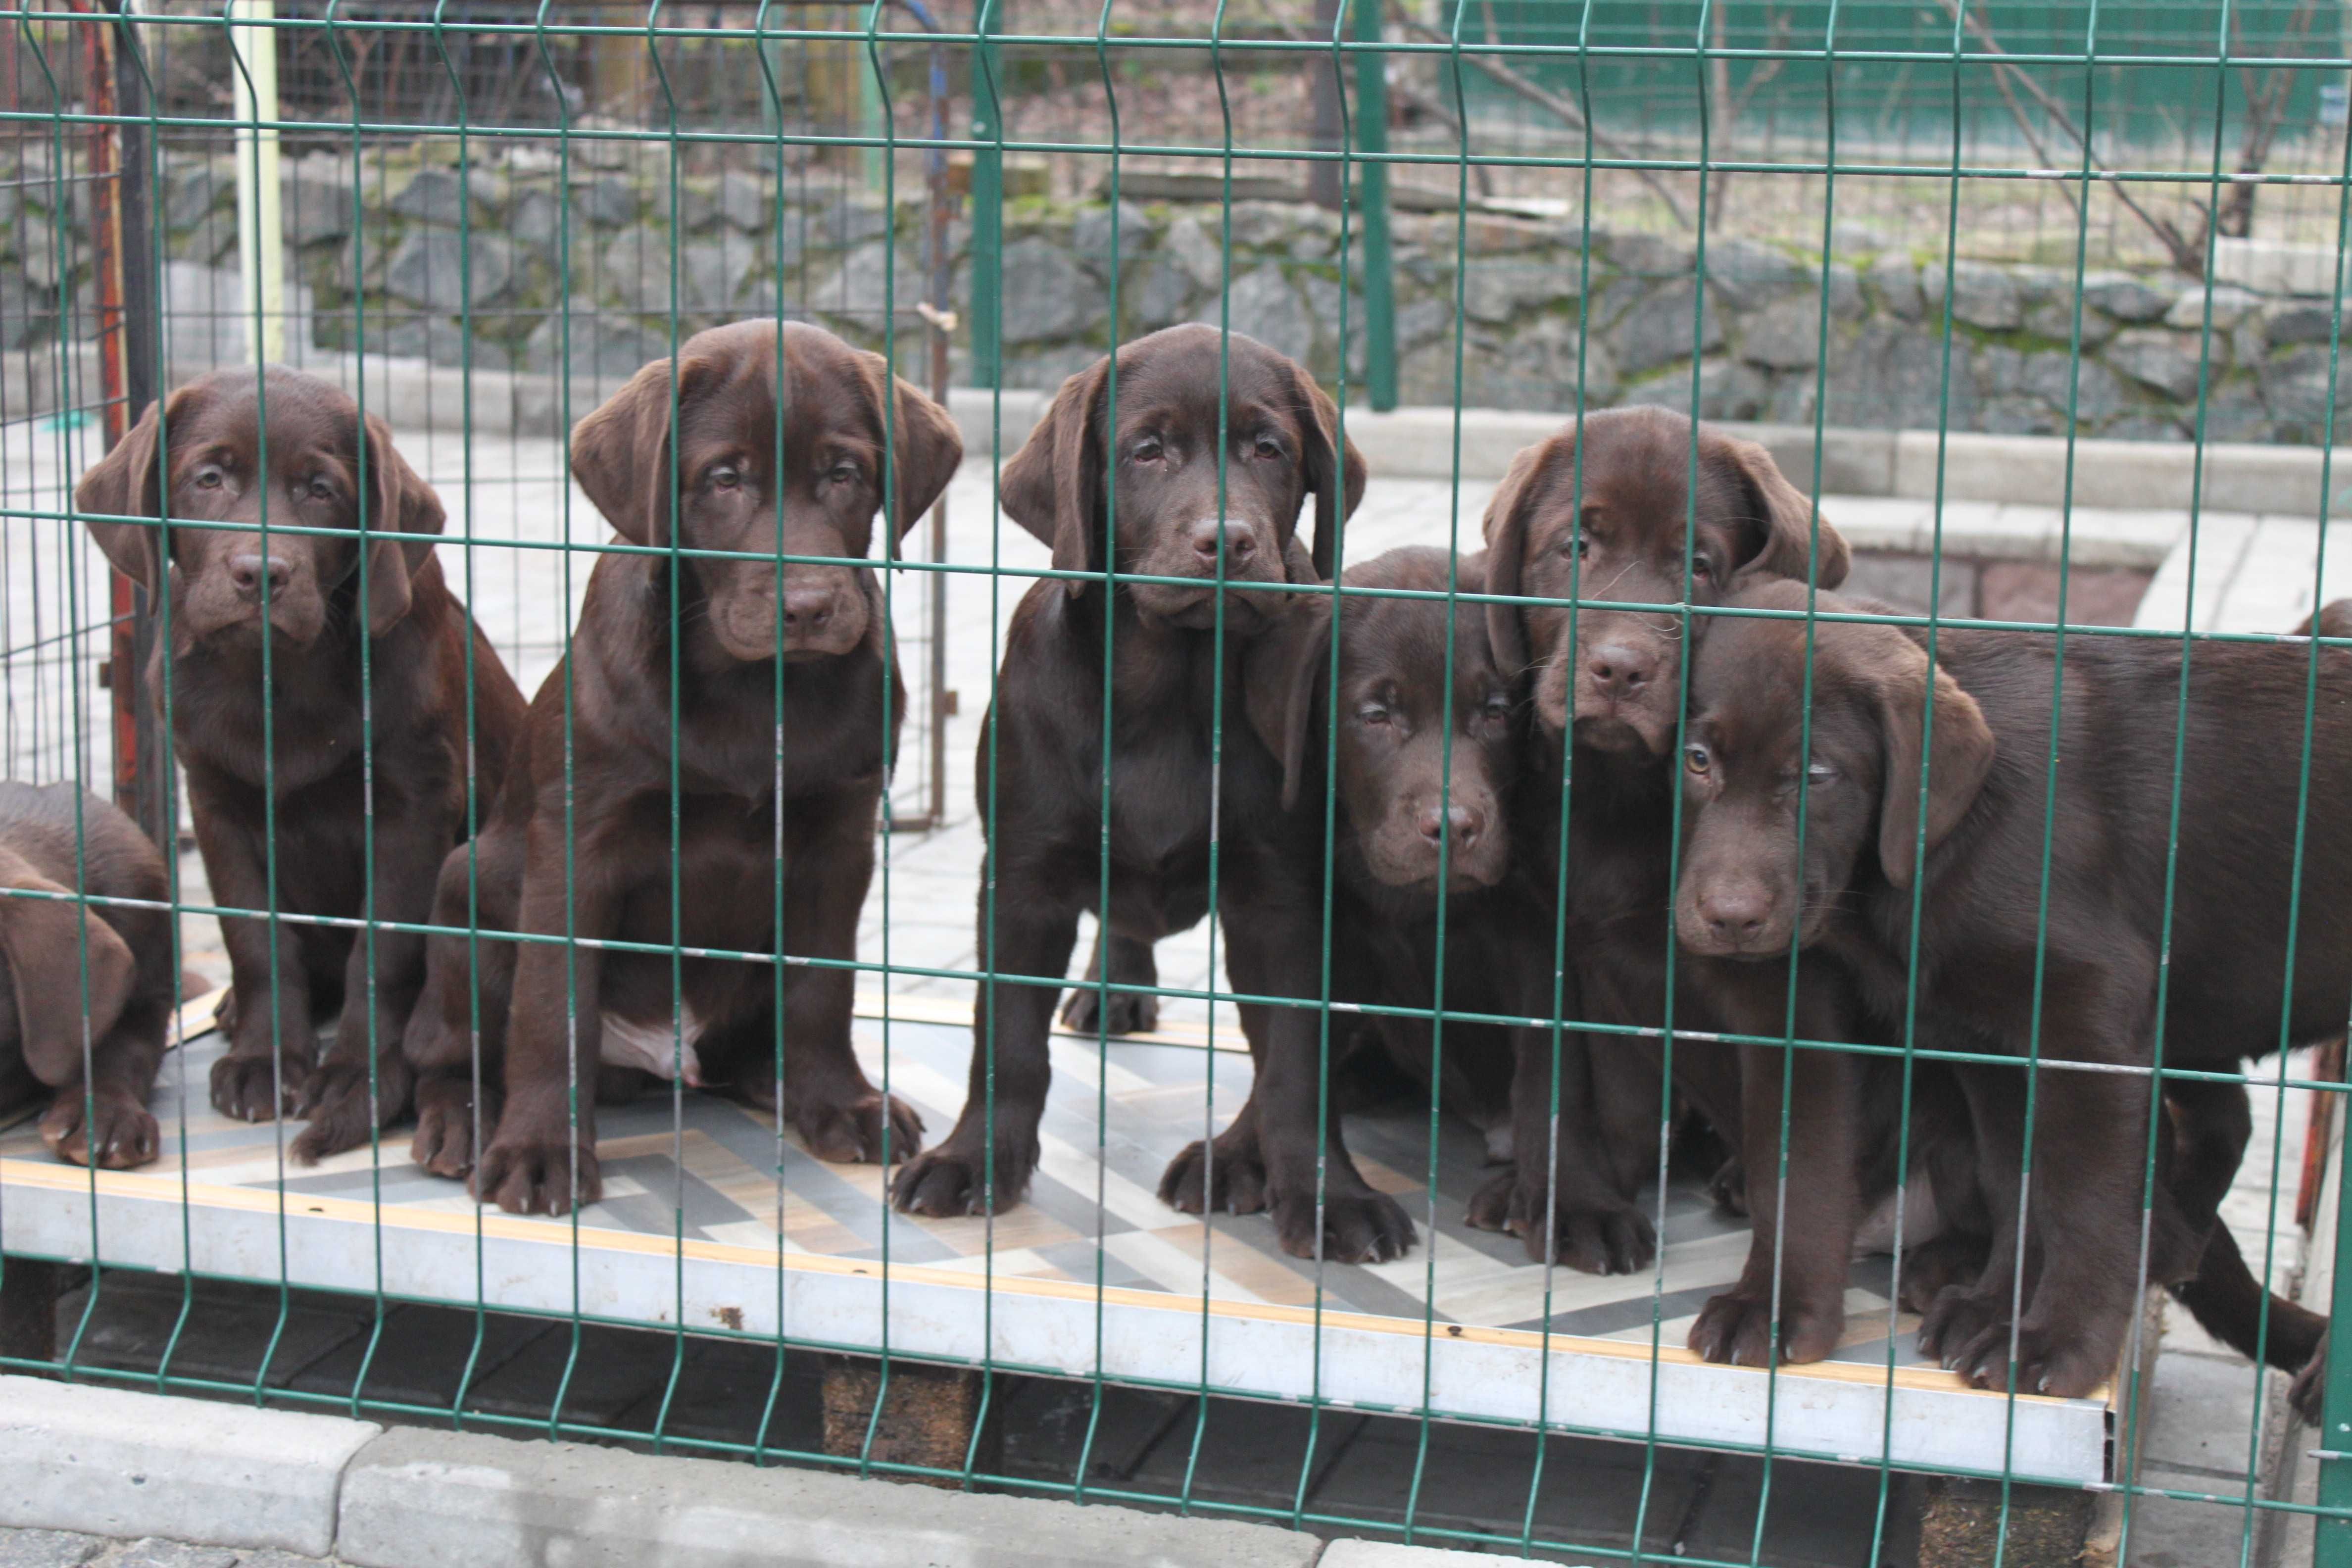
[
  {"x": 100, "y": 1461},
  {"x": 104, "y": 1462},
  {"x": 1388, "y": 1554},
  {"x": 418, "y": 1498}
]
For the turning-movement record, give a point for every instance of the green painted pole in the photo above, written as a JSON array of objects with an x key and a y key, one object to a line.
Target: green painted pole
[
  {"x": 987, "y": 302},
  {"x": 1372, "y": 122}
]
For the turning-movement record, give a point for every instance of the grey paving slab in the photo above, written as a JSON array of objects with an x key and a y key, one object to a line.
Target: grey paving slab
[
  {"x": 157, "y": 1554},
  {"x": 107, "y": 1460},
  {"x": 46, "y": 1549}
]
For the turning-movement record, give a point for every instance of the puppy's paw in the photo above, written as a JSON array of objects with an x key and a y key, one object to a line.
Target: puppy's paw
[
  {"x": 1362, "y": 1227},
  {"x": 1734, "y": 1328},
  {"x": 534, "y": 1175},
  {"x": 2062, "y": 1361},
  {"x": 1737, "y": 1327},
  {"x": 850, "y": 1133},
  {"x": 342, "y": 1111},
  {"x": 1948, "y": 1262},
  {"x": 1960, "y": 1316},
  {"x": 1729, "y": 1187},
  {"x": 444, "y": 1144},
  {"x": 119, "y": 1136},
  {"x": 956, "y": 1177},
  {"x": 255, "y": 1087},
  {"x": 1226, "y": 1175},
  {"x": 1129, "y": 1014},
  {"x": 1592, "y": 1232},
  {"x": 2310, "y": 1386}
]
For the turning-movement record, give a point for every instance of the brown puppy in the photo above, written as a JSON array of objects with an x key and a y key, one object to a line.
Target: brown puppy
[
  {"x": 1428, "y": 748},
  {"x": 1157, "y": 473},
  {"x": 708, "y": 649},
  {"x": 55, "y": 841},
  {"x": 1993, "y": 972},
  {"x": 288, "y": 791},
  {"x": 1605, "y": 514}
]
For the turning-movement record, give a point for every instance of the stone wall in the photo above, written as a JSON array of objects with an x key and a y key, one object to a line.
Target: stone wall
[{"x": 1530, "y": 303}]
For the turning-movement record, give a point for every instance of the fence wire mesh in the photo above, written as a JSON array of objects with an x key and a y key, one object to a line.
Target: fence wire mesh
[{"x": 2014, "y": 330}]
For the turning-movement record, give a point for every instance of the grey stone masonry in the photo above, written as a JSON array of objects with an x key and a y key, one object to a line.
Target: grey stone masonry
[{"x": 471, "y": 266}]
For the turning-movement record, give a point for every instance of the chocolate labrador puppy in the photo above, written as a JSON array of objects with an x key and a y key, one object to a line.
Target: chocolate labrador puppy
[
  {"x": 2066, "y": 967},
  {"x": 1629, "y": 507},
  {"x": 57, "y": 840},
  {"x": 1428, "y": 748},
  {"x": 293, "y": 770},
  {"x": 788, "y": 441},
  {"x": 1188, "y": 510}
]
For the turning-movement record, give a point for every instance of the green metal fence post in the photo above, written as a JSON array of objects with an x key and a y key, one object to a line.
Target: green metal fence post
[
  {"x": 1372, "y": 120},
  {"x": 987, "y": 302}
]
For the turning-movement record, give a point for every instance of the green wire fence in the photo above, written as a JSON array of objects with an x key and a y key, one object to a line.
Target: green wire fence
[{"x": 2040, "y": 308}]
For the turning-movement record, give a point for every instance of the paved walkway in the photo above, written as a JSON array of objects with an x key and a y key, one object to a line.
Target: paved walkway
[{"x": 62, "y": 1549}]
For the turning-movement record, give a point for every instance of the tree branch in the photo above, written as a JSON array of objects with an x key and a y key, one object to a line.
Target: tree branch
[
  {"x": 2187, "y": 254},
  {"x": 1565, "y": 108}
]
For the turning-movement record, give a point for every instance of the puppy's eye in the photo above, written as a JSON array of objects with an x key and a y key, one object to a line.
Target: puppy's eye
[
  {"x": 1268, "y": 448},
  {"x": 725, "y": 477},
  {"x": 1372, "y": 713},
  {"x": 210, "y": 477},
  {"x": 1146, "y": 450},
  {"x": 320, "y": 490},
  {"x": 1698, "y": 759},
  {"x": 1820, "y": 773},
  {"x": 1579, "y": 545},
  {"x": 1702, "y": 571},
  {"x": 1496, "y": 708}
]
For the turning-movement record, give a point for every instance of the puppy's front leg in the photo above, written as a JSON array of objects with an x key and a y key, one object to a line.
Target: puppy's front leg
[
  {"x": 985, "y": 1164},
  {"x": 1226, "y": 1172},
  {"x": 1277, "y": 954},
  {"x": 381, "y": 980},
  {"x": 542, "y": 1158},
  {"x": 468, "y": 987},
  {"x": 1802, "y": 1234},
  {"x": 828, "y": 865},
  {"x": 271, "y": 1048},
  {"x": 1559, "y": 1196}
]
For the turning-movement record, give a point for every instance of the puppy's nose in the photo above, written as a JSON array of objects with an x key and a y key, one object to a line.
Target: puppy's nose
[
  {"x": 1464, "y": 823},
  {"x": 1240, "y": 543},
  {"x": 1733, "y": 915},
  {"x": 807, "y": 609},
  {"x": 1620, "y": 671},
  {"x": 247, "y": 573}
]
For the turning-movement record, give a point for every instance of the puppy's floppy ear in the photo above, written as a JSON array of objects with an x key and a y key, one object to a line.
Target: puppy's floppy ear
[
  {"x": 1505, "y": 529},
  {"x": 1053, "y": 486},
  {"x": 1334, "y": 468},
  {"x": 1281, "y": 673},
  {"x": 43, "y": 940},
  {"x": 400, "y": 502},
  {"x": 1783, "y": 520},
  {"x": 926, "y": 445},
  {"x": 1899, "y": 672},
  {"x": 620, "y": 453},
  {"x": 126, "y": 483}
]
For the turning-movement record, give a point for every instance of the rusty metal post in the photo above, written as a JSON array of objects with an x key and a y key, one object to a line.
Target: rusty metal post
[{"x": 126, "y": 336}]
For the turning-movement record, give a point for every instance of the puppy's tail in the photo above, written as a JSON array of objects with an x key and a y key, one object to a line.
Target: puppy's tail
[{"x": 2228, "y": 1302}]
